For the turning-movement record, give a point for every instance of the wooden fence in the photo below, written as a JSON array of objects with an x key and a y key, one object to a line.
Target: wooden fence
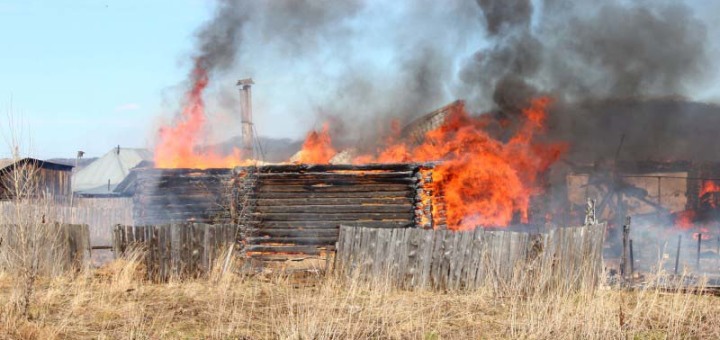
[
  {"x": 176, "y": 250},
  {"x": 100, "y": 214},
  {"x": 58, "y": 248},
  {"x": 568, "y": 258}
]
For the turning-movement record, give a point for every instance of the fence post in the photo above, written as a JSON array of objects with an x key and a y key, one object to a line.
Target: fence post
[
  {"x": 632, "y": 260},
  {"x": 697, "y": 265},
  {"x": 624, "y": 258},
  {"x": 677, "y": 255}
]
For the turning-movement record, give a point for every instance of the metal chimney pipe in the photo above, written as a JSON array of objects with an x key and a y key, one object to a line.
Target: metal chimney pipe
[{"x": 246, "y": 116}]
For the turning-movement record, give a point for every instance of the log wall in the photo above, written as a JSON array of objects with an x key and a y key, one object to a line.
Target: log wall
[
  {"x": 290, "y": 211},
  {"x": 182, "y": 195},
  {"x": 565, "y": 258}
]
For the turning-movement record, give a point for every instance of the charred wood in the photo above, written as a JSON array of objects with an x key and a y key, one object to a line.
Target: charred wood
[
  {"x": 337, "y": 167},
  {"x": 294, "y": 232},
  {"x": 345, "y": 217},
  {"x": 266, "y": 202},
  {"x": 334, "y": 188},
  {"x": 336, "y": 194},
  {"x": 335, "y": 209},
  {"x": 302, "y": 240},
  {"x": 309, "y": 250}
]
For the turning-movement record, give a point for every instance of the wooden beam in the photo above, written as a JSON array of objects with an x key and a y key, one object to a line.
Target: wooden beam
[
  {"x": 334, "y": 188},
  {"x": 326, "y": 194},
  {"x": 335, "y": 209},
  {"x": 333, "y": 225},
  {"x": 302, "y": 240},
  {"x": 336, "y": 167},
  {"x": 335, "y": 175},
  {"x": 309, "y": 250},
  {"x": 294, "y": 232},
  {"x": 356, "y": 180},
  {"x": 268, "y": 202},
  {"x": 341, "y": 217}
]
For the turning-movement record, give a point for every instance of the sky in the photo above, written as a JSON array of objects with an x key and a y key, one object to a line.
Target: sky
[{"x": 90, "y": 75}]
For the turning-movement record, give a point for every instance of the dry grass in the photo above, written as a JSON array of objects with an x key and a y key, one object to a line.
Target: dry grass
[{"x": 114, "y": 302}]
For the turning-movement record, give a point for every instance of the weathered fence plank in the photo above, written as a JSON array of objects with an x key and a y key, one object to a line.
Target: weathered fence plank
[
  {"x": 177, "y": 250},
  {"x": 58, "y": 248},
  {"x": 568, "y": 258}
]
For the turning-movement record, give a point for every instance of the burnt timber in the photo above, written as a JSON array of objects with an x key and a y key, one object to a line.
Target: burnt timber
[
  {"x": 290, "y": 210},
  {"x": 165, "y": 196},
  {"x": 297, "y": 210}
]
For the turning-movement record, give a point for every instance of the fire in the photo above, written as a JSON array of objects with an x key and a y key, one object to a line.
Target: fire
[
  {"x": 709, "y": 187},
  {"x": 179, "y": 145},
  {"x": 684, "y": 219},
  {"x": 480, "y": 180},
  {"x": 317, "y": 147}
]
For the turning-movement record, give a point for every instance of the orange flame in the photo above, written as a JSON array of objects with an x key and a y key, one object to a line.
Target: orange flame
[
  {"x": 179, "y": 144},
  {"x": 481, "y": 180},
  {"x": 317, "y": 148},
  {"x": 708, "y": 187},
  {"x": 684, "y": 219}
]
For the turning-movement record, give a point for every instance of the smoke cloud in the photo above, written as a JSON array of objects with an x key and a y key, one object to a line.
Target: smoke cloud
[{"x": 362, "y": 63}]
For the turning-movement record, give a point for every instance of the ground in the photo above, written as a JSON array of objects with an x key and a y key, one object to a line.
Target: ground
[{"x": 116, "y": 303}]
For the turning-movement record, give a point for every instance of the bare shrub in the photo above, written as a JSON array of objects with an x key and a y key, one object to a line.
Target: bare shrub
[{"x": 28, "y": 238}]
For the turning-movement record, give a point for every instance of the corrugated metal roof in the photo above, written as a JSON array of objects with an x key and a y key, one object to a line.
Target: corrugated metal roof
[{"x": 111, "y": 168}]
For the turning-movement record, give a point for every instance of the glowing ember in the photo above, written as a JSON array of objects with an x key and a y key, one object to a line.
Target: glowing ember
[
  {"x": 179, "y": 144},
  {"x": 317, "y": 147},
  {"x": 684, "y": 219}
]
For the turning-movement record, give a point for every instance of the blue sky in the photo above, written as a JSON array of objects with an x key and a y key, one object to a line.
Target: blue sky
[{"x": 89, "y": 75}]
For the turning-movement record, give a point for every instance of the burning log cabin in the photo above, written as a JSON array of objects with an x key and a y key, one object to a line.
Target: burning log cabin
[
  {"x": 298, "y": 209},
  {"x": 289, "y": 211}
]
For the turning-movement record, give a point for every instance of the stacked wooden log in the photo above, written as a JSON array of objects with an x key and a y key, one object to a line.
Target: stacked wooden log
[
  {"x": 182, "y": 195},
  {"x": 296, "y": 210}
]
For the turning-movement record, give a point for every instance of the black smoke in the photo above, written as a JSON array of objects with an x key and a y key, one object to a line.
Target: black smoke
[{"x": 577, "y": 52}]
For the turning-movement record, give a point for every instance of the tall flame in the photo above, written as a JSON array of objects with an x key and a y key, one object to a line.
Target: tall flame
[
  {"x": 179, "y": 145},
  {"x": 708, "y": 187},
  {"x": 317, "y": 147},
  {"x": 482, "y": 181}
]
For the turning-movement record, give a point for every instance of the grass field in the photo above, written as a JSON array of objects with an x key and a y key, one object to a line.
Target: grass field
[{"x": 114, "y": 302}]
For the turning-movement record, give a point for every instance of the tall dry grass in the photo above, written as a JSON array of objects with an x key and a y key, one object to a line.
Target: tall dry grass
[{"x": 115, "y": 302}]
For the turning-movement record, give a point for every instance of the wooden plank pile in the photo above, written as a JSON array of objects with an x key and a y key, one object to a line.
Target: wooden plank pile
[
  {"x": 294, "y": 211},
  {"x": 564, "y": 258},
  {"x": 178, "y": 250},
  {"x": 182, "y": 195}
]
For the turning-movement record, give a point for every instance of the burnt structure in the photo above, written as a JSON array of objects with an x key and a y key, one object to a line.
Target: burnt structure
[
  {"x": 181, "y": 195},
  {"x": 296, "y": 210},
  {"x": 647, "y": 188},
  {"x": 287, "y": 210}
]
